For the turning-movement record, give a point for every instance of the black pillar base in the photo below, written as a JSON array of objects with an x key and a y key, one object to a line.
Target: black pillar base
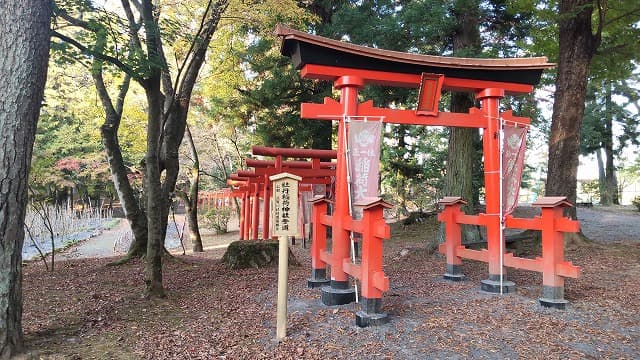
[
  {"x": 553, "y": 303},
  {"x": 492, "y": 285},
  {"x": 339, "y": 293},
  {"x": 454, "y": 273},
  {"x": 363, "y": 319},
  {"x": 318, "y": 278},
  {"x": 553, "y": 297},
  {"x": 370, "y": 314}
]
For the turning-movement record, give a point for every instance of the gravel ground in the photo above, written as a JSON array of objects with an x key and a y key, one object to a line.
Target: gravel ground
[
  {"x": 609, "y": 225},
  {"x": 86, "y": 310}
]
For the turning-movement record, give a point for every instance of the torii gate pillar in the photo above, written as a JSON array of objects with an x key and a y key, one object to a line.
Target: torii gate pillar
[
  {"x": 490, "y": 100},
  {"x": 339, "y": 292}
]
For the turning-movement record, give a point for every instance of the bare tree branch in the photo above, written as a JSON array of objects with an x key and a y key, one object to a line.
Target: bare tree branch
[
  {"x": 635, "y": 11},
  {"x": 134, "y": 25},
  {"x": 124, "y": 88}
]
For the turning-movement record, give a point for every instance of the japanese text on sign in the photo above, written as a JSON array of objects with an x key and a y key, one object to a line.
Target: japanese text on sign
[
  {"x": 513, "y": 148},
  {"x": 364, "y": 156},
  {"x": 285, "y": 205}
]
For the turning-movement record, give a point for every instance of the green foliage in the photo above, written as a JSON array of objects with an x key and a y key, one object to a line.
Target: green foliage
[
  {"x": 591, "y": 188},
  {"x": 636, "y": 202},
  {"x": 252, "y": 88},
  {"x": 68, "y": 152},
  {"x": 249, "y": 94},
  {"x": 218, "y": 219},
  {"x": 413, "y": 166}
]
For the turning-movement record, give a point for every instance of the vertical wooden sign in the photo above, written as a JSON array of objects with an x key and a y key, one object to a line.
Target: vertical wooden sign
[
  {"x": 285, "y": 204},
  {"x": 285, "y": 223}
]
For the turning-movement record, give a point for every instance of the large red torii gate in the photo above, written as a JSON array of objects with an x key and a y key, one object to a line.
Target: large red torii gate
[{"x": 351, "y": 67}]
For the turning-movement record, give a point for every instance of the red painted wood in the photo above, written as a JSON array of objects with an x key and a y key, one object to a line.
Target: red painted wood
[
  {"x": 331, "y": 110},
  {"x": 333, "y": 73},
  {"x": 490, "y": 100},
  {"x": 319, "y": 243},
  {"x": 292, "y": 152},
  {"x": 290, "y": 164}
]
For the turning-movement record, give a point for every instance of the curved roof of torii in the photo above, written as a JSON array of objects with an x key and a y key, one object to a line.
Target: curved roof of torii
[{"x": 304, "y": 48}]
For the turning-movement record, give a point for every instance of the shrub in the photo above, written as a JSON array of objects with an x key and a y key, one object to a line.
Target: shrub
[
  {"x": 636, "y": 202},
  {"x": 218, "y": 219}
]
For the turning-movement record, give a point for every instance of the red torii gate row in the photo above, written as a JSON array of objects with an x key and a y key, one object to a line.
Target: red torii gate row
[
  {"x": 350, "y": 67},
  {"x": 257, "y": 183},
  {"x": 256, "y": 189},
  {"x": 246, "y": 191},
  {"x": 215, "y": 199},
  {"x": 250, "y": 189}
]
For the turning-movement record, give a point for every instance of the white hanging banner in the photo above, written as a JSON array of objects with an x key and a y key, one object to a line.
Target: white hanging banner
[
  {"x": 513, "y": 148},
  {"x": 364, "y": 158}
]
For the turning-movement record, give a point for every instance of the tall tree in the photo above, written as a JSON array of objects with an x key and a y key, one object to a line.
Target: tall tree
[
  {"x": 168, "y": 98},
  {"x": 462, "y": 141},
  {"x": 602, "y": 112},
  {"x": 190, "y": 196},
  {"x": 608, "y": 95},
  {"x": 272, "y": 97},
  {"x": 384, "y": 24},
  {"x": 578, "y": 43},
  {"x": 24, "y": 38}
]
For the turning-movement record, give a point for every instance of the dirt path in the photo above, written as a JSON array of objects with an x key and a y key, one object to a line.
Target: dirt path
[
  {"x": 610, "y": 224},
  {"x": 108, "y": 243},
  {"x": 599, "y": 224},
  {"x": 102, "y": 245}
]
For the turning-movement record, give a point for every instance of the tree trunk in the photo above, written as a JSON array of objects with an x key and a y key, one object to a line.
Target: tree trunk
[
  {"x": 191, "y": 201},
  {"x": 401, "y": 185},
  {"x": 611, "y": 183},
  {"x": 577, "y": 46},
  {"x": 177, "y": 107},
  {"x": 459, "y": 179},
  {"x": 157, "y": 203},
  {"x": 602, "y": 189},
  {"x": 615, "y": 189},
  {"x": 130, "y": 204},
  {"x": 24, "y": 38}
]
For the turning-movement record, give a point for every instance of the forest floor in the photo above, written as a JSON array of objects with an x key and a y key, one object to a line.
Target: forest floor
[{"x": 88, "y": 310}]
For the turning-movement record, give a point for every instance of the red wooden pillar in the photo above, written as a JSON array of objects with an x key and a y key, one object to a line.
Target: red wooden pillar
[
  {"x": 266, "y": 195},
  {"x": 490, "y": 99},
  {"x": 319, "y": 244},
  {"x": 554, "y": 224},
  {"x": 247, "y": 214},
  {"x": 373, "y": 280},
  {"x": 243, "y": 216},
  {"x": 255, "y": 212},
  {"x": 453, "y": 236},
  {"x": 340, "y": 293}
]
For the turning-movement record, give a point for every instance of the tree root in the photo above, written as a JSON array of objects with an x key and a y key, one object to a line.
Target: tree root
[
  {"x": 131, "y": 255},
  {"x": 576, "y": 240}
]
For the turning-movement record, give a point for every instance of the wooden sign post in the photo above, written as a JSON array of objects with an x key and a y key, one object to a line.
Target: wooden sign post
[{"x": 285, "y": 223}]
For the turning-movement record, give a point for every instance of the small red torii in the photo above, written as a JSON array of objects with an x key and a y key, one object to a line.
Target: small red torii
[
  {"x": 258, "y": 186},
  {"x": 260, "y": 177},
  {"x": 248, "y": 193},
  {"x": 217, "y": 198}
]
